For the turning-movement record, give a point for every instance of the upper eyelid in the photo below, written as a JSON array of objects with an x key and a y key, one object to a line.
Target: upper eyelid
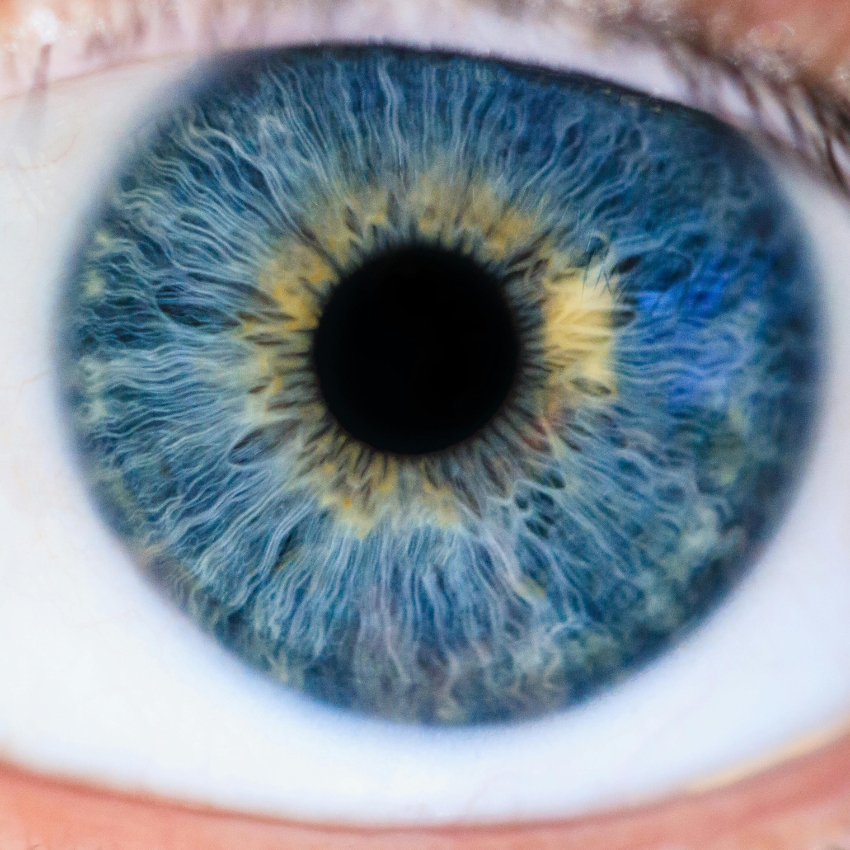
[
  {"x": 95, "y": 35},
  {"x": 782, "y": 99}
]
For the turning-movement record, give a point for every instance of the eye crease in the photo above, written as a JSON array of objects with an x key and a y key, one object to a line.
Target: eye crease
[{"x": 619, "y": 279}]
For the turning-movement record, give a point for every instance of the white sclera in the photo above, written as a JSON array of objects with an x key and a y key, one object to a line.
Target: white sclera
[{"x": 100, "y": 679}]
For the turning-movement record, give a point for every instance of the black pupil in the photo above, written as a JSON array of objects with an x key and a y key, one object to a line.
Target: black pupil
[{"x": 416, "y": 350}]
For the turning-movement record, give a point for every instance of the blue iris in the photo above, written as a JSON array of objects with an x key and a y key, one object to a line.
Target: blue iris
[{"x": 651, "y": 403}]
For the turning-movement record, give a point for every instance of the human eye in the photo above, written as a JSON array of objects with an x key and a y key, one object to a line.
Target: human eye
[{"x": 240, "y": 695}]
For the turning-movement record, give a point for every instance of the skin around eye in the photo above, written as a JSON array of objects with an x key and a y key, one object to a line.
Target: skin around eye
[{"x": 814, "y": 813}]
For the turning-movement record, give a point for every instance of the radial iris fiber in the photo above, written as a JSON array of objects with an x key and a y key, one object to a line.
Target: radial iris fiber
[{"x": 663, "y": 306}]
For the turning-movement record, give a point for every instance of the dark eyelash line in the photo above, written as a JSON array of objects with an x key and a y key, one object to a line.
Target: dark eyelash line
[
  {"x": 785, "y": 107},
  {"x": 795, "y": 113}
]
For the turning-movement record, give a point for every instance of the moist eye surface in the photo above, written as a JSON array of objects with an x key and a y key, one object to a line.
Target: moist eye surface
[{"x": 444, "y": 390}]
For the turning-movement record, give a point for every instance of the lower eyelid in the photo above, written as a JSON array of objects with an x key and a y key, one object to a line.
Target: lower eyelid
[{"x": 803, "y": 803}]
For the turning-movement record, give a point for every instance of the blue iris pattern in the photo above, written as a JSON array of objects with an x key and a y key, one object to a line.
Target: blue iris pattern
[{"x": 665, "y": 308}]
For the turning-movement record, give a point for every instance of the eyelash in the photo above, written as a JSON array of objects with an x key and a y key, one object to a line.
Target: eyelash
[{"x": 776, "y": 101}]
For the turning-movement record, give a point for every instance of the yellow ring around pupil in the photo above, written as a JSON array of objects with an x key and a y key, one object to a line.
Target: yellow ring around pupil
[{"x": 577, "y": 310}]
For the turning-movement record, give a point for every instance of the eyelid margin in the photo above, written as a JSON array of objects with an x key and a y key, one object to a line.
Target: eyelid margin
[{"x": 805, "y": 801}]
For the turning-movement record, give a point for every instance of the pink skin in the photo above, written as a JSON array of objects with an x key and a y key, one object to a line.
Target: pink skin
[{"x": 803, "y": 803}]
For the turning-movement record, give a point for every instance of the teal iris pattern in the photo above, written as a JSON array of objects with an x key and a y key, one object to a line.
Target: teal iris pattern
[{"x": 656, "y": 393}]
